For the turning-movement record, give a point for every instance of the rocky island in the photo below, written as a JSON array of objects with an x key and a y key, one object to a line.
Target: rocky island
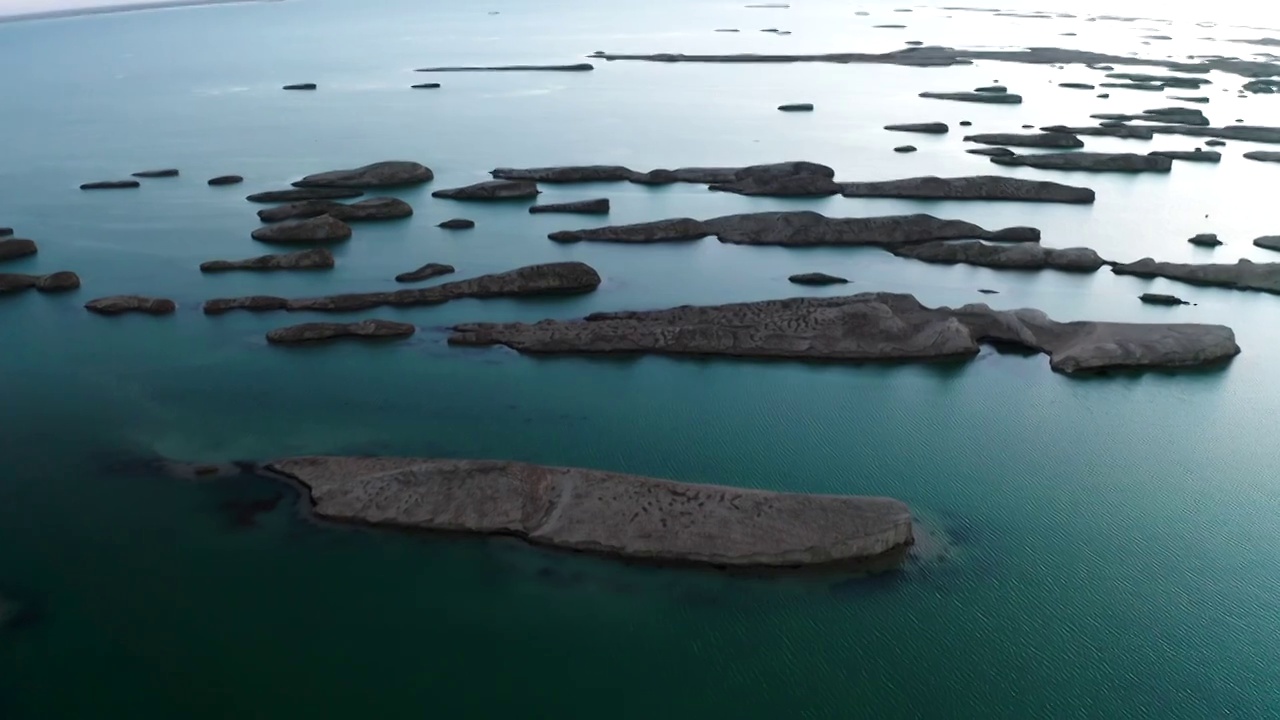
[
  {"x": 1022, "y": 256},
  {"x": 14, "y": 248},
  {"x": 595, "y": 206},
  {"x": 52, "y": 283},
  {"x": 863, "y": 327},
  {"x": 1033, "y": 140},
  {"x": 491, "y": 190},
  {"x": 322, "y": 229},
  {"x": 314, "y": 259},
  {"x": 321, "y": 332},
  {"x": 625, "y": 516},
  {"x": 376, "y": 208},
  {"x": 389, "y": 173},
  {"x": 123, "y": 304},
  {"x": 1090, "y": 161},
  {"x": 978, "y": 187},
  {"x": 563, "y": 278},
  {"x": 1243, "y": 275}
]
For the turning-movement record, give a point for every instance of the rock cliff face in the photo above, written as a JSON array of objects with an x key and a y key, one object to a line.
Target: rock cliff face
[
  {"x": 619, "y": 515},
  {"x": 801, "y": 228},
  {"x": 978, "y": 187},
  {"x": 564, "y": 278},
  {"x": 863, "y": 327}
]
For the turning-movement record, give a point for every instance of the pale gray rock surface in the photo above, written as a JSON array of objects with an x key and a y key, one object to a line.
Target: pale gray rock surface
[
  {"x": 625, "y": 516},
  {"x": 863, "y": 327}
]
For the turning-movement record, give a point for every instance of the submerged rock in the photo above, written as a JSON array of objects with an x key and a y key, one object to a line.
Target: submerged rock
[
  {"x": 626, "y": 516},
  {"x": 932, "y": 128},
  {"x": 121, "y": 304},
  {"x": 1196, "y": 155},
  {"x": 314, "y": 259},
  {"x": 1158, "y": 299},
  {"x": 457, "y": 224},
  {"x": 977, "y": 97},
  {"x": 1205, "y": 240},
  {"x": 390, "y": 173},
  {"x": 14, "y": 248},
  {"x": 817, "y": 278},
  {"x": 225, "y": 180},
  {"x": 302, "y": 194},
  {"x": 867, "y": 326},
  {"x": 1023, "y": 256},
  {"x": 491, "y": 190},
  {"x": 377, "y": 208},
  {"x": 597, "y": 206},
  {"x": 321, "y": 331},
  {"x": 1035, "y": 140},
  {"x": 252, "y": 303},
  {"x": 796, "y": 107},
  {"x": 1243, "y": 275},
  {"x": 1090, "y": 161},
  {"x": 578, "y": 67},
  {"x": 426, "y": 272},
  {"x": 165, "y": 173},
  {"x": 111, "y": 185},
  {"x": 322, "y": 229},
  {"x": 979, "y": 187},
  {"x": 300, "y": 86},
  {"x": 563, "y": 278}
]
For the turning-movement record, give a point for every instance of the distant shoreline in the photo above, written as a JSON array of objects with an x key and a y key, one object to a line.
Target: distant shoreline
[{"x": 121, "y": 8}]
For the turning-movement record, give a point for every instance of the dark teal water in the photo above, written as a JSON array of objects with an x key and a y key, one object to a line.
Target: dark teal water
[{"x": 1096, "y": 548}]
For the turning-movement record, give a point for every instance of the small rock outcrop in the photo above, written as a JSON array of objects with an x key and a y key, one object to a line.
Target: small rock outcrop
[
  {"x": 979, "y": 187},
  {"x": 163, "y": 173},
  {"x": 1169, "y": 115},
  {"x": 1076, "y": 86},
  {"x": 931, "y": 128},
  {"x": 597, "y": 206},
  {"x": 302, "y": 194},
  {"x": 867, "y": 326},
  {"x": 14, "y": 248},
  {"x": 457, "y": 224},
  {"x": 426, "y": 272},
  {"x": 796, "y": 107},
  {"x": 1215, "y": 143},
  {"x": 672, "y": 230},
  {"x": 998, "y": 89},
  {"x": 53, "y": 283},
  {"x": 222, "y": 180},
  {"x": 425, "y": 86},
  {"x": 1090, "y": 161},
  {"x": 1159, "y": 299},
  {"x": 817, "y": 278},
  {"x": 625, "y": 516},
  {"x": 491, "y": 190},
  {"x": 1034, "y": 140},
  {"x": 322, "y": 229},
  {"x": 1243, "y": 275},
  {"x": 5, "y": 232},
  {"x": 1205, "y": 240},
  {"x": 562, "y": 278},
  {"x": 377, "y": 208},
  {"x": 122, "y": 304},
  {"x": 314, "y": 259},
  {"x": 1119, "y": 130},
  {"x": 1268, "y": 242},
  {"x": 111, "y": 185},
  {"x": 1023, "y": 256},
  {"x": 391, "y": 173},
  {"x": 976, "y": 97},
  {"x": 991, "y": 151},
  {"x": 322, "y": 331},
  {"x": 1196, "y": 155},
  {"x": 905, "y": 149},
  {"x": 300, "y": 86}
]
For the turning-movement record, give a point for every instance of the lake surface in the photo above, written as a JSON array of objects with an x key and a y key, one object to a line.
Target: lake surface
[{"x": 1091, "y": 548}]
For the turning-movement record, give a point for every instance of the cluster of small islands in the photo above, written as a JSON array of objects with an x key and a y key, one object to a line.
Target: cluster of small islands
[{"x": 649, "y": 519}]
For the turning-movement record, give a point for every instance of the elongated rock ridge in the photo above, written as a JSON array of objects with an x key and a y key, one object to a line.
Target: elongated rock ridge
[
  {"x": 1243, "y": 275},
  {"x": 376, "y": 208},
  {"x": 314, "y": 259},
  {"x": 800, "y": 228},
  {"x": 563, "y": 278},
  {"x": 1023, "y": 256},
  {"x": 321, "y": 331},
  {"x": 978, "y": 187},
  {"x": 1090, "y": 161},
  {"x": 625, "y": 516},
  {"x": 863, "y": 327}
]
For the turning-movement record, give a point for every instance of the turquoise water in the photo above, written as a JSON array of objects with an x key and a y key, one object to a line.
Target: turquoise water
[{"x": 1096, "y": 548}]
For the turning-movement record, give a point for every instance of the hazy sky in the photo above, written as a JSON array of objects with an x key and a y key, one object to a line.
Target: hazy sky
[{"x": 22, "y": 7}]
